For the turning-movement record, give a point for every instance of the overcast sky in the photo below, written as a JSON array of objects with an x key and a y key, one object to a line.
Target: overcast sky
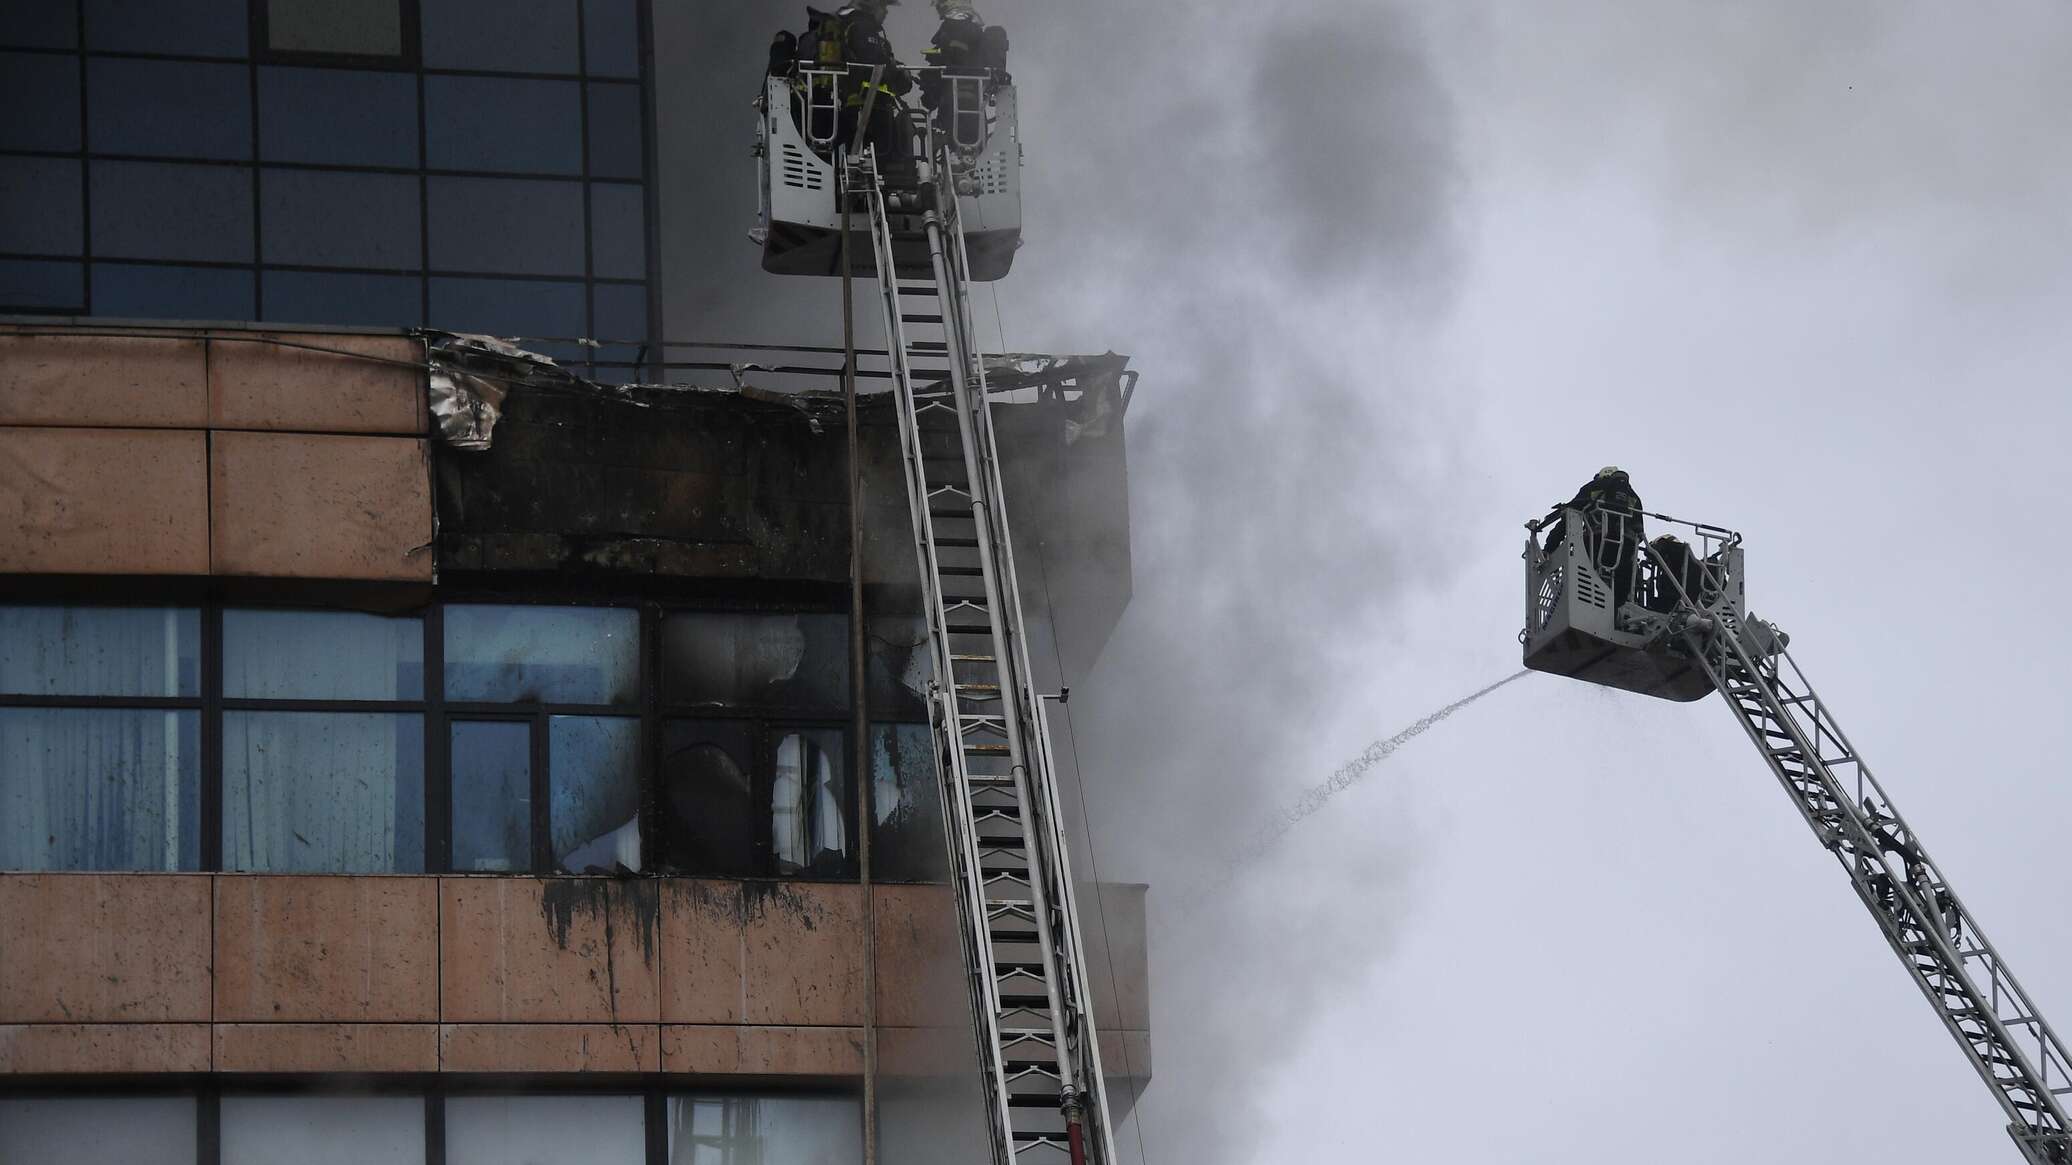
[{"x": 1399, "y": 275}]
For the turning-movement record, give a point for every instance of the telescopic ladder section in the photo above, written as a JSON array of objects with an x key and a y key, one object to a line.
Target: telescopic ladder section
[
  {"x": 1038, "y": 1054},
  {"x": 2002, "y": 1033}
]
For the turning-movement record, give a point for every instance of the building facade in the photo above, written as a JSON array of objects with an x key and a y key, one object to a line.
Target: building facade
[{"x": 415, "y": 752}]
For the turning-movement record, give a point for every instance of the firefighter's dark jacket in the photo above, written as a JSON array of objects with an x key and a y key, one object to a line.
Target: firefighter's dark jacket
[
  {"x": 1613, "y": 493},
  {"x": 862, "y": 41}
]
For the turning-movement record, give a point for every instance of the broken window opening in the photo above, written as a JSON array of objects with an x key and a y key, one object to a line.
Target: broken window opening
[
  {"x": 809, "y": 805},
  {"x": 756, "y": 660},
  {"x": 709, "y": 797},
  {"x": 906, "y": 804},
  {"x": 593, "y": 772}
]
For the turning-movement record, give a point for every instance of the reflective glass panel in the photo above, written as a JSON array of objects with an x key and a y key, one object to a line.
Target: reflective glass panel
[
  {"x": 326, "y": 297},
  {"x": 511, "y": 307},
  {"x": 39, "y": 24},
  {"x": 323, "y": 792},
  {"x": 162, "y": 210},
  {"x": 615, "y": 131},
  {"x": 620, "y": 313},
  {"x": 793, "y": 660},
  {"x": 98, "y": 1130},
  {"x": 181, "y": 109},
  {"x": 100, "y": 651},
  {"x": 611, "y": 38},
  {"x": 140, "y": 291},
  {"x": 323, "y": 1130},
  {"x": 322, "y": 655},
  {"x": 506, "y": 226},
  {"x": 618, "y": 242},
  {"x": 49, "y": 85},
  {"x": 28, "y": 284},
  {"x": 547, "y": 655},
  {"x": 198, "y": 28},
  {"x": 325, "y": 218},
  {"x": 41, "y": 212},
  {"x": 517, "y": 36},
  {"x": 99, "y": 789},
  {"x": 524, "y": 126},
  {"x": 797, "y": 1130},
  {"x": 709, "y": 798},
  {"x": 352, "y": 117},
  {"x": 492, "y": 795},
  {"x": 809, "y": 804},
  {"x": 505, "y": 1130},
  {"x": 906, "y": 802},
  {"x": 593, "y": 769},
  {"x": 365, "y": 28}
]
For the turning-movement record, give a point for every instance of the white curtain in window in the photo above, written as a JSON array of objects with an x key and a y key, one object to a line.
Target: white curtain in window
[
  {"x": 547, "y": 1130},
  {"x": 323, "y": 792},
  {"x": 98, "y": 1130},
  {"x": 806, "y": 818},
  {"x": 323, "y": 1130},
  {"x": 97, "y": 789}
]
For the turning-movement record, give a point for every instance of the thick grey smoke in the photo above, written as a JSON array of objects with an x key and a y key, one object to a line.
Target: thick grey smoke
[{"x": 1256, "y": 202}]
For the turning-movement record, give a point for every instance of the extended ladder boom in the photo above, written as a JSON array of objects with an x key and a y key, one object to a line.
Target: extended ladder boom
[
  {"x": 2003, "y": 1035},
  {"x": 1038, "y": 1054}
]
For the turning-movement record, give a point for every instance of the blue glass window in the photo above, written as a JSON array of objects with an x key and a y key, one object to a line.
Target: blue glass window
[
  {"x": 181, "y": 109},
  {"x": 359, "y": 28},
  {"x": 40, "y": 206},
  {"x": 47, "y": 85},
  {"x": 99, "y": 1130},
  {"x": 492, "y": 795},
  {"x": 611, "y": 38},
  {"x": 100, "y": 651},
  {"x": 547, "y": 655},
  {"x": 322, "y": 655},
  {"x": 349, "y": 117},
  {"x": 99, "y": 789},
  {"x": 163, "y": 210},
  {"x": 329, "y": 218},
  {"x": 618, "y": 240},
  {"x": 323, "y": 792},
  {"x": 518, "y": 36},
  {"x": 615, "y": 131},
  {"x": 138, "y": 291},
  {"x": 39, "y": 24},
  {"x": 36, "y": 284},
  {"x": 621, "y": 314},
  {"x": 506, "y": 226},
  {"x": 593, "y": 768},
  {"x": 323, "y": 297},
  {"x": 511, "y": 307},
  {"x": 503, "y": 123},
  {"x": 198, "y": 28}
]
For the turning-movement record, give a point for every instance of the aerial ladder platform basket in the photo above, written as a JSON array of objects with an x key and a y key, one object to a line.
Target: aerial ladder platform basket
[
  {"x": 801, "y": 214},
  {"x": 1669, "y": 618}
]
